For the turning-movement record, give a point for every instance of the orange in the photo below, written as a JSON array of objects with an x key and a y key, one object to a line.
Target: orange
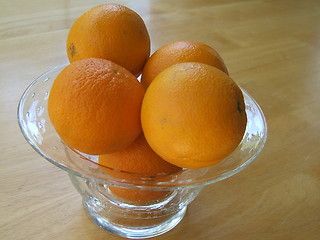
[
  {"x": 193, "y": 115},
  {"x": 138, "y": 158},
  {"x": 94, "y": 105},
  {"x": 179, "y": 52},
  {"x": 113, "y": 32}
]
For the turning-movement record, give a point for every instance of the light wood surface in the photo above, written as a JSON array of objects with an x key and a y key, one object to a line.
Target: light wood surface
[{"x": 271, "y": 48}]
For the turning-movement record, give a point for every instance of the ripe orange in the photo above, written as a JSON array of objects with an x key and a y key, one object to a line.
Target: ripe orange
[
  {"x": 94, "y": 105},
  {"x": 113, "y": 32},
  {"x": 193, "y": 115},
  {"x": 179, "y": 52},
  {"x": 138, "y": 158}
]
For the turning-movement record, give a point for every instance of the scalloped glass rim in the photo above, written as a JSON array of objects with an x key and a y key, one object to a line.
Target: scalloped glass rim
[{"x": 40, "y": 134}]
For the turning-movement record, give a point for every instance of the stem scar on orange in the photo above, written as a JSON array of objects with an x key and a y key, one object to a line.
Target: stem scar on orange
[
  {"x": 94, "y": 105},
  {"x": 193, "y": 115}
]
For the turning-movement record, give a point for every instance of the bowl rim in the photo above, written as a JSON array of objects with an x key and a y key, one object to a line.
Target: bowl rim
[{"x": 139, "y": 181}]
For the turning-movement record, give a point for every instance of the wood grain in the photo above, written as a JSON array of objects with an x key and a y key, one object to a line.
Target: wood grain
[{"x": 271, "y": 49}]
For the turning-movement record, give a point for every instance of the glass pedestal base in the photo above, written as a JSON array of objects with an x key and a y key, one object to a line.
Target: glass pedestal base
[
  {"x": 134, "y": 228},
  {"x": 135, "y": 220}
]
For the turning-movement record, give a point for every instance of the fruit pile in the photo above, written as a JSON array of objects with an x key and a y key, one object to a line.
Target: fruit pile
[{"x": 186, "y": 112}]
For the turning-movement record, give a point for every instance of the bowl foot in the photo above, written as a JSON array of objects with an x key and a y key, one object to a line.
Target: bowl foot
[{"x": 133, "y": 225}]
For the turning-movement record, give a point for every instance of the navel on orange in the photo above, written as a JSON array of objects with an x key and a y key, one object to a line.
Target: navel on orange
[
  {"x": 179, "y": 52},
  {"x": 94, "y": 105},
  {"x": 138, "y": 158},
  {"x": 193, "y": 115},
  {"x": 113, "y": 32}
]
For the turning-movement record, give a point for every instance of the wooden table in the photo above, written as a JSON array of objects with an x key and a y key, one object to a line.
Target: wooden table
[{"x": 271, "y": 49}]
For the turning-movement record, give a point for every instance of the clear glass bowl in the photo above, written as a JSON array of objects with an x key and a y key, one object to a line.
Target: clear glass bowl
[{"x": 139, "y": 219}]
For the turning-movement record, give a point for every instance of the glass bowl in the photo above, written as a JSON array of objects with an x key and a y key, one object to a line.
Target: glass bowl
[{"x": 130, "y": 219}]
